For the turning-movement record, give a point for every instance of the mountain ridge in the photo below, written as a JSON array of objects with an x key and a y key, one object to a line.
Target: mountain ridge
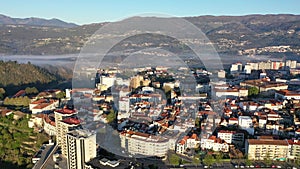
[
  {"x": 230, "y": 34},
  {"x": 34, "y": 21}
]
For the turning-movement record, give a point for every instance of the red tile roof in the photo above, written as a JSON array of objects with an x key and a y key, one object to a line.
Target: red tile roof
[
  {"x": 65, "y": 111},
  {"x": 72, "y": 120}
]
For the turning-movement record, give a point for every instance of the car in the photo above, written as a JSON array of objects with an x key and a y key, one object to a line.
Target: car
[
  {"x": 279, "y": 166},
  {"x": 205, "y": 166}
]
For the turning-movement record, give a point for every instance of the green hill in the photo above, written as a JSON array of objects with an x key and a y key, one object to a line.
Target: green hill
[{"x": 16, "y": 74}]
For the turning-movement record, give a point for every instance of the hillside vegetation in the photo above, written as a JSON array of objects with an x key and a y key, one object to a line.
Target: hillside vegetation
[{"x": 13, "y": 73}]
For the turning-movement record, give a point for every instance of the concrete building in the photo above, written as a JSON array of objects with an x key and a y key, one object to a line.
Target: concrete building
[
  {"x": 42, "y": 105},
  {"x": 65, "y": 122},
  {"x": 236, "y": 67},
  {"x": 245, "y": 122},
  {"x": 294, "y": 149},
  {"x": 264, "y": 85},
  {"x": 262, "y": 149},
  {"x": 107, "y": 80},
  {"x": 214, "y": 143},
  {"x": 232, "y": 137},
  {"x": 81, "y": 148},
  {"x": 221, "y": 74},
  {"x": 187, "y": 143},
  {"x": 231, "y": 92},
  {"x": 142, "y": 144},
  {"x": 62, "y": 128},
  {"x": 49, "y": 125},
  {"x": 286, "y": 94}
]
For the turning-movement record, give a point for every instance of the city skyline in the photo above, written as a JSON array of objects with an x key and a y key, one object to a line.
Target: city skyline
[{"x": 94, "y": 12}]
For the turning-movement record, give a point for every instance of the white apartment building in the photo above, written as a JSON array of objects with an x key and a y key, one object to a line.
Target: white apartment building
[
  {"x": 142, "y": 144},
  {"x": 236, "y": 67},
  {"x": 124, "y": 104},
  {"x": 64, "y": 123},
  {"x": 245, "y": 122},
  {"x": 231, "y": 137},
  {"x": 81, "y": 148},
  {"x": 107, "y": 80}
]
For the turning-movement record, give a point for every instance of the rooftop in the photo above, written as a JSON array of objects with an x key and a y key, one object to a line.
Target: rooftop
[
  {"x": 71, "y": 120},
  {"x": 267, "y": 142},
  {"x": 65, "y": 111}
]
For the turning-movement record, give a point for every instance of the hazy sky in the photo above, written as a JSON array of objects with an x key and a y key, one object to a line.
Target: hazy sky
[{"x": 92, "y": 11}]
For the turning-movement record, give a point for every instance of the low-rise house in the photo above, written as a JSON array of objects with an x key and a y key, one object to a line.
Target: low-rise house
[
  {"x": 188, "y": 142},
  {"x": 215, "y": 144},
  {"x": 42, "y": 105}
]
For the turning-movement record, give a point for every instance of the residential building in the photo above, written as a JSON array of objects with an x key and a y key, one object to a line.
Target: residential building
[
  {"x": 42, "y": 105},
  {"x": 232, "y": 137},
  {"x": 214, "y": 143},
  {"x": 287, "y": 94},
  {"x": 262, "y": 149},
  {"x": 245, "y": 122},
  {"x": 264, "y": 84},
  {"x": 221, "y": 74},
  {"x": 236, "y": 67},
  {"x": 187, "y": 142},
  {"x": 142, "y": 144},
  {"x": 81, "y": 148},
  {"x": 294, "y": 149},
  {"x": 49, "y": 125},
  {"x": 65, "y": 122}
]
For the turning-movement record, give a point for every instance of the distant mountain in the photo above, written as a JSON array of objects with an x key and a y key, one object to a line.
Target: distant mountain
[
  {"x": 5, "y": 20},
  {"x": 243, "y": 35}
]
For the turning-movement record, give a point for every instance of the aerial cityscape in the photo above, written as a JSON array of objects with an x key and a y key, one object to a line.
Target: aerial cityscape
[{"x": 98, "y": 85}]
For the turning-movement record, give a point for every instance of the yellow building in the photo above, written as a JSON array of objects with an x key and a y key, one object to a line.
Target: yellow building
[{"x": 265, "y": 148}]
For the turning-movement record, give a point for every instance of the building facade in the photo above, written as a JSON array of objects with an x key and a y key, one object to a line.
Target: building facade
[{"x": 81, "y": 148}]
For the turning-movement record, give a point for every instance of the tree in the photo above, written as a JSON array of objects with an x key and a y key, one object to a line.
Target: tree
[
  {"x": 111, "y": 116},
  {"x": 219, "y": 157},
  {"x": 248, "y": 162},
  {"x": 208, "y": 160},
  {"x": 253, "y": 91},
  {"x": 174, "y": 159},
  {"x": 196, "y": 161},
  {"x": 197, "y": 122},
  {"x": 268, "y": 159},
  {"x": 61, "y": 95},
  {"x": 31, "y": 90}
]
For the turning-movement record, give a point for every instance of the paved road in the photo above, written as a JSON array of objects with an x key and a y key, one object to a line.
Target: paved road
[{"x": 46, "y": 154}]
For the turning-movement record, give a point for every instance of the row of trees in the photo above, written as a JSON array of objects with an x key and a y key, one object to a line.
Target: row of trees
[
  {"x": 31, "y": 90},
  {"x": 18, "y": 101}
]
